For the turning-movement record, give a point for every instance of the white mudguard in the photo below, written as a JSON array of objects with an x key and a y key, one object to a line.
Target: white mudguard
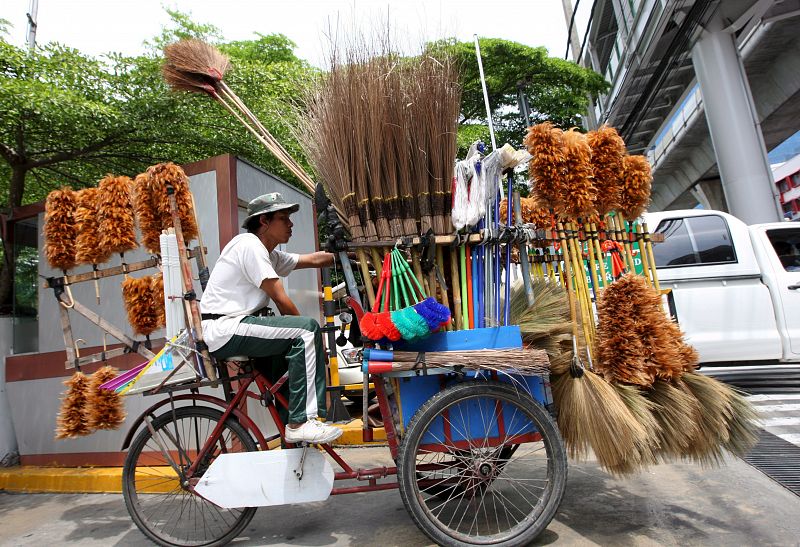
[{"x": 260, "y": 479}]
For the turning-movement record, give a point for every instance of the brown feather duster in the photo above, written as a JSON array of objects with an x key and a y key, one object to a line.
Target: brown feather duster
[
  {"x": 580, "y": 191},
  {"x": 104, "y": 406},
  {"x": 115, "y": 215},
  {"x": 146, "y": 214},
  {"x": 161, "y": 175},
  {"x": 139, "y": 303},
  {"x": 544, "y": 143},
  {"x": 87, "y": 243},
  {"x": 72, "y": 420},
  {"x": 59, "y": 228},
  {"x": 608, "y": 150},
  {"x": 635, "y": 195},
  {"x": 157, "y": 294}
]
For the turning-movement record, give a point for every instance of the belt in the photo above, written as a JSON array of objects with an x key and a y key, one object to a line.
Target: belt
[{"x": 212, "y": 315}]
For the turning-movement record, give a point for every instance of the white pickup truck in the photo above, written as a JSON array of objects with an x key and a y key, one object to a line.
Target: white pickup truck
[{"x": 736, "y": 288}]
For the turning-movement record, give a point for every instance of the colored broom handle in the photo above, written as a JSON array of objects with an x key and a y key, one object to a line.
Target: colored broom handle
[
  {"x": 377, "y": 303},
  {"x": 407, "y": 271},
  {"x": 462, "y": 267},
  {"x": 407, "y": 277},
  {"x": 398, "y": 269},
  {"x": 386, "y": 305}
]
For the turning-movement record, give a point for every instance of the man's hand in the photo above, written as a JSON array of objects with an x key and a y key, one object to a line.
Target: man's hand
[
  {"x": 319, "y": 259},
  {"x": 274, "y": 289}
]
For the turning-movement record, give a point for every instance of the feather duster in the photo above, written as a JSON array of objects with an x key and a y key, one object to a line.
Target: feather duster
[
  {"x": 635, "y": 195},
  {"x": 59, "y": 228},
  {"x": 580, "y": 191},
  {"x": 169, "y": 173},
  {"x": 138, "y": 297},
  {"x": 72, "y": 420},
  {"x": 104, "y": 406},
  {"x": 115, "y": 215},
  {"x": 532, "y": 212},
  {"x": 544, "y": 143},
  {"x": 87, "y": 243},
  {"x": 147, "y": 214},
  {"x": 157, "y": 293},
  {"x": 608, "y": 150}
]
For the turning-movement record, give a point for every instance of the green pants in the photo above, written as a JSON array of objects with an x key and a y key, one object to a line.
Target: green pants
[{"x": 300, "y": 341}]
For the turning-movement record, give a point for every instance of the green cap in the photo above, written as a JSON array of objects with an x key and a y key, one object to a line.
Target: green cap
[{"x": 268, "y": 203}]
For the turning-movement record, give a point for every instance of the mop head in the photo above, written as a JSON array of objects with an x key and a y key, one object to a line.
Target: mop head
[
  {"x": 544, "y": 143},
  {"x": 434, "y": 313},
  {"x": 104, "y": 407},
  {"x": 139, "y": 299},
  {"x": 165, "y": 174},
  {"x": 368, "y": 326},
  {"x": 59, "y": 228},
  {"x": 577, "y": 159},
  {"x": 147, "y": 215},
  {"x": 157, "y": 294},
  {"x": 410, "y": 324},
  {"x": 637, "y": 178},
  {"x": 383, "y": 321},
  {"x": 608, "y": 149},
  {"x": 115, "y": 215},
  {"x": 72, "y": 420},
  {"x": 87, "y": 243}
]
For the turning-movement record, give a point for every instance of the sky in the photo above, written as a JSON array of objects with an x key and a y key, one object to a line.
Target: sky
[{"x": 100, "y": 26}]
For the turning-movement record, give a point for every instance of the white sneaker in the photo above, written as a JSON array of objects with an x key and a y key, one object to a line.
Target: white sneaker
[{"x": 314, "y": 432}]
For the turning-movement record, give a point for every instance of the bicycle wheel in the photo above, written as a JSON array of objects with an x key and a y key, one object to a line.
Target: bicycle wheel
[
  {"x": 155, "y": 492},
  {"x": 482, "y": 464}
]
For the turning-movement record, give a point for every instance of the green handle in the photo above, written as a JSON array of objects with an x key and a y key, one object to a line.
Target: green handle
[
  {"x": 397, "y": 267},
  {"x": 407, "y": 273}
]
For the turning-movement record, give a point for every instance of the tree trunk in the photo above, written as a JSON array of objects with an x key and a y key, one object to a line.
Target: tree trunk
[{"x": 15, "y": 191}]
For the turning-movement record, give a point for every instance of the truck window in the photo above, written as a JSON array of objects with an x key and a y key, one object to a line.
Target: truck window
[
  {"x": 694, "y": 241},
  {"x": 787, "y": 246}
]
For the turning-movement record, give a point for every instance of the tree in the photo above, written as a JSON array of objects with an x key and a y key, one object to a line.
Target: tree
[
  {"x": 68, "y": 119},
  {"x": 557, "y": 90}
]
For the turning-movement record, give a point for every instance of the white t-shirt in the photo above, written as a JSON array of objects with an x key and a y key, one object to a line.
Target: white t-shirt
[{"x": 234, "y": 287}]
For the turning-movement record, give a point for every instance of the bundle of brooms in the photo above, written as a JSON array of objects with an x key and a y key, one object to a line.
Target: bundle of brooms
[{"x": 381, "y": 133}]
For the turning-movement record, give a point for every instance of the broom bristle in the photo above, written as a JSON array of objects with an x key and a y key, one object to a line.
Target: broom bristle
[
  {"x": 183, "y": 81},
  {"x": 194, "y": 56},
  {"x": 743, "y": 426},
  {"x": 104, "y": 406},
  {"x": 715, "y": 415},
  {"x": 72, "y": 420},
  {"x": 642, "y": 408},
  {"x": 677, "y": 414}
]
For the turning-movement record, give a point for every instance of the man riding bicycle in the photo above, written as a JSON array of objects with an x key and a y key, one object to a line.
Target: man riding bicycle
[{"x": 245, "y": 278}]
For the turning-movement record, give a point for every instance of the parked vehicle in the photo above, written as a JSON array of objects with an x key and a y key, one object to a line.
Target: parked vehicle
[{"x": 736, "y": 288}]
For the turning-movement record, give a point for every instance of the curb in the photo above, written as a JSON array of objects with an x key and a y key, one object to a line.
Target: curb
[{"x": 108, "y": 480}]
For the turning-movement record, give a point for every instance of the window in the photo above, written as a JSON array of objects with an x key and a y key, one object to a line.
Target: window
[
  {"x": 787, "y": 246},
  {"x": 784, "y": 185},
  {"x": 694, "y": 241}
]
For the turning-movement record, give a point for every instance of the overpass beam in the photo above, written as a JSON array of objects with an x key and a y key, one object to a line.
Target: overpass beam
[{"x": 732, "y": 122}]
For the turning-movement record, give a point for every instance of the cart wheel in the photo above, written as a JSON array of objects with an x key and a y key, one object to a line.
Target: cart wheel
[
  {"x": 482, "y": 464},
  {"x": 156, "y": 496}
]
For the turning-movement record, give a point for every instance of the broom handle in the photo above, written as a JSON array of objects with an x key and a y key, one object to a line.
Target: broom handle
[
  {"x": 581, "y": 289},
  {"x": 601, "y": 256},
  {"x": 523, "y": 251},
  {"x": 648, "y": 245},
  {"x": 592, "y": 263},
  {"x": 568, "y": 283},
  {"x": 455, "y": 282},
  {"x": 362, "y": 263},
  {"x": 643, "y": 254},
  {"x": 202, "y": 266},
  {"x": 191, "y": 305},
  {"x": 445, "y": 297},
  {"x": 626, "y": 242}
]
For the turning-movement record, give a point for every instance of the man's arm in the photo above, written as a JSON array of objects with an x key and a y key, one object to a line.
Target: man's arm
[
  {"x": 319, "y": 259},
  {"x": 274, "y": 289}
]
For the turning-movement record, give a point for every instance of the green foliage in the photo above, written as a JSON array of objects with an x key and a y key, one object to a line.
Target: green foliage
[
  {"x": 557, "y": 90},
  {"x": 70, "y": 118}
]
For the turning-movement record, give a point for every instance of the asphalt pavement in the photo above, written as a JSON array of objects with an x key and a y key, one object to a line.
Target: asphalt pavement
[{"x": 673, "y": 504}]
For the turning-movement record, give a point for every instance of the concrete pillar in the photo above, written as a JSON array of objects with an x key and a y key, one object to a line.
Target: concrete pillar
[
  {"x": 9, "y": 452},
  {"x": 735, "y": 131}
]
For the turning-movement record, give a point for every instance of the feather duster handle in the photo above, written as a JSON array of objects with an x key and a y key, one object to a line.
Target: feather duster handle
[
  {"x": 87, "y": 243},
  {"x": 115, "y": 215},
  {"x": 59, "y": 228}
]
